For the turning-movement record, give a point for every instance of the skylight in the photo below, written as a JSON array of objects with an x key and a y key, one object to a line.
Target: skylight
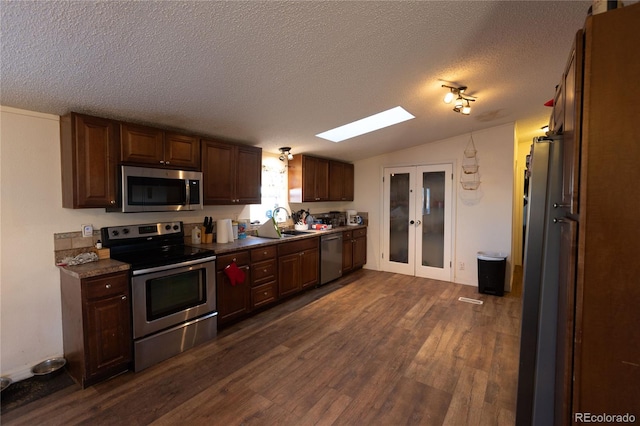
[{"x": 368, "y": 124}]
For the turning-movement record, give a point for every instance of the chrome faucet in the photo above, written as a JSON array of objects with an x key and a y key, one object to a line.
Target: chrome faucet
[{"x": 275, "y": 211}]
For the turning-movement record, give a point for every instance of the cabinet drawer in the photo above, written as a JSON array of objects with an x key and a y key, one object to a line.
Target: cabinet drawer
[
  {"x": 263, "y": 272},
  {"x": 263, "y": 253},
  {"x": 347, "y": 235},
  {"x": 298, "y": 246},
  {"x": 241, "y": 258},
  {"x": 263, "y": 294},
  {"x": 362, "y": 232},
  {"x": 105, "y": 286}
]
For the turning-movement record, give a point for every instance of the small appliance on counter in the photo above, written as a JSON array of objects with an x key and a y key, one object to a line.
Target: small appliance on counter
[{"x": 353, "y": 219}]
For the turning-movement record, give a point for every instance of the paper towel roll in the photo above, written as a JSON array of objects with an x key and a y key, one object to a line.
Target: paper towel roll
[
  {"x": 222, "y": 231},
  {"x": 229, "y": 229}
]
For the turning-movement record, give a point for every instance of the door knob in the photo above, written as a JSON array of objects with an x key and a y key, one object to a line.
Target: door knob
[
  {"x": 418, "y": 222},
  {"x": 411, "y": 222}
]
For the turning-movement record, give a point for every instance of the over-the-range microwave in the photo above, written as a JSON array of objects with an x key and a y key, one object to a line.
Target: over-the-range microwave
[{"x": 147, "y": 189}]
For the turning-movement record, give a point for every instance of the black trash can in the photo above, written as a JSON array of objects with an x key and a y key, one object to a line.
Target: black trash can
[{"x": 491, "y": 270}]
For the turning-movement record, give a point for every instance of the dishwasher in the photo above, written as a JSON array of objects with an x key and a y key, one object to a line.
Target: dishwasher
[{"x": 330, "y": 257}]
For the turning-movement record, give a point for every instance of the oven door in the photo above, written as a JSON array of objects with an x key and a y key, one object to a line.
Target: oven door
[{"x": 170, "y": 295}]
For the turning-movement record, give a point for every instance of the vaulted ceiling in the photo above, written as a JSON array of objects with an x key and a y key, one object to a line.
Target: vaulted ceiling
[{"x": 276, "y": 73}]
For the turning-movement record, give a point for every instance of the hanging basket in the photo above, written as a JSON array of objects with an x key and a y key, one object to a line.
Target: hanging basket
[
  {"x": 470, "y": 150},
  {"x": 470, "y": 165},
  {"x": 470, "y": 182}
]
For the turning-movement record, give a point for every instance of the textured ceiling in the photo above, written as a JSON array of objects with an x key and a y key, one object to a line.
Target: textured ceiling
[{"x": 272, "y": 74}]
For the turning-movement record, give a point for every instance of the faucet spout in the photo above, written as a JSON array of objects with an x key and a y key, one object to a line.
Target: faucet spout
[{"x": 275, "y": 212}]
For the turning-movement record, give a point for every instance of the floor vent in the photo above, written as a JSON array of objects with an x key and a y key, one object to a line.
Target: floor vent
[{"x": 474, "y": 301}]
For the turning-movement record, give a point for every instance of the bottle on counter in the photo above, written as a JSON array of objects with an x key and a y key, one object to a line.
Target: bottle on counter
[{"x": 196, "y": 235}]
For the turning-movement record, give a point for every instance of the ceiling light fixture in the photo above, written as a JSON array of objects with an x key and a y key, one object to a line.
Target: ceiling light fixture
[
  {"x": 368, "y": 124},
  {"x": 285, "y": 153},
  {"x": 462, "y": 100}
]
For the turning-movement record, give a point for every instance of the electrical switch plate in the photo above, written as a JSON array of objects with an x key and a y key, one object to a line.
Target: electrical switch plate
[{"x": 87, "y": 230}]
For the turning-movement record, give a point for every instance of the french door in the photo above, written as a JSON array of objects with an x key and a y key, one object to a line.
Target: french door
[{"x": 417, "y": 223}]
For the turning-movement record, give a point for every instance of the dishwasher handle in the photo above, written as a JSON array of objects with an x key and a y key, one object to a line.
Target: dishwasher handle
[{"x": 330, "y": 238}]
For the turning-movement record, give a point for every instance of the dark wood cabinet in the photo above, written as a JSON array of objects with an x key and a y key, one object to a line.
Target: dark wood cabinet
[
  {"x": 298, "y": 265},
  {"x": 151, "y": 146},
  {"x": 96, "y": 326},
  {"x": 340, "y": 181},
  {"x": 596, "y": 339},
  {"x": 233, "y": 300},
  {"x": 571, "y": 110},
  {"x": 308, "y": 179},
  {"x": 232, "y": 173},
  {"x": 264, "y": 276},
  {"x": 354, "y": 249},
  {"x": 89, "y": 157}
]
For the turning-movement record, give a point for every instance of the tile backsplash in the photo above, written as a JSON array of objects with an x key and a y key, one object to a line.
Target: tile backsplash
[{"x": 70, "y": 244}]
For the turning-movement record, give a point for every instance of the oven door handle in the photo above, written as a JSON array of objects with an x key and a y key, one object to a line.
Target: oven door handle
[{"x": 174, "y": 266}]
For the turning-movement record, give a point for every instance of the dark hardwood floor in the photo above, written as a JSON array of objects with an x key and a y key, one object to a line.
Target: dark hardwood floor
[{"x": 372, "y": 348}]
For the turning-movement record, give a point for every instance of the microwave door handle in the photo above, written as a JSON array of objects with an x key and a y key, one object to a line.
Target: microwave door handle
[{"x": 188, "y": 195}]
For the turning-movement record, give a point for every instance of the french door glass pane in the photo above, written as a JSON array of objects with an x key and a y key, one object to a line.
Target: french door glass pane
[
  {"x": 399, "y": 192},
  {"x": 433, "y": 197}
]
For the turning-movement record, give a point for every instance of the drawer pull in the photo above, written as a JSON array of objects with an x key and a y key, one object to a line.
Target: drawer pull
[
  {"x": 108, "y": 286},
  {"x": 265, "y": 253},
  {"x": 265, "y": 270},
  {"x": 265, "y": 293},
  {"x": 124, "y": 297}
]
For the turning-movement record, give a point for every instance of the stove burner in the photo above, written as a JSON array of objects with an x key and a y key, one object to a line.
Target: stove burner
[{"x": 150, "y": 245}]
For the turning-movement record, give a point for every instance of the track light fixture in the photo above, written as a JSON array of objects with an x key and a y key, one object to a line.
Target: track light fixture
[
  {"x": 285, "y": 153},
  {"x": 462, "y": 100}
]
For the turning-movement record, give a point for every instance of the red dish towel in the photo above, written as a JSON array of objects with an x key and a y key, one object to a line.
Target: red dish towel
[{"x": 235, "y": 274}]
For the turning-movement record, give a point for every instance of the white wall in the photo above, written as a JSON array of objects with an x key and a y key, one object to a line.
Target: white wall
[
  {"x": 483, "y": 218},
  {"x": 30, "y": 213}
]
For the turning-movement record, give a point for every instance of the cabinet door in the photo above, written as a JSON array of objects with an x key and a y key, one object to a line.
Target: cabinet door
[
  {"x": 359, "y": 251},
  {"x": 572, "y": 125},
  {"x": 142, "y": 145},
  {"x": 322, "y": 180},
  {"x": 107, "y": 324},
  {"x": 309, "y": 264},
  {"x": 218, "y": 170},
  {"x": 89, "y": 152},
  {"x": 248, "y": 188},
  {"x": 347, "y": 252},
  {"x": 340, "y": 181},
  {"x": 181, "y": 151},
  {"x": 233, "y": 300},
  {"x": 309, "y": 165},
  {"x": 288, "y": 274}
]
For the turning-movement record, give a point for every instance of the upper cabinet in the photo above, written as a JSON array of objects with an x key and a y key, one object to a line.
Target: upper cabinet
[
  {"x": 232, "y": 173},
  {"x": 318, "y": 179},
  {"x": 340, "y": 181},
  {"x": 89, "y": 154},
  {"x": 150, "y": 146}
]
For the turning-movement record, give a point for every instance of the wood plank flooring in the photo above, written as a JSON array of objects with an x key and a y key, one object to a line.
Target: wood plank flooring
[{"x": 372, "y": 348}]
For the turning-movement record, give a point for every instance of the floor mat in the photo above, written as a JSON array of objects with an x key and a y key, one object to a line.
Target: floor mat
[{"x": 31, "y": 389}]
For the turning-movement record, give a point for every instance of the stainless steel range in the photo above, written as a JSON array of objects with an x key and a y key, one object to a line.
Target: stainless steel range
[{"x": 173, "y": 289}]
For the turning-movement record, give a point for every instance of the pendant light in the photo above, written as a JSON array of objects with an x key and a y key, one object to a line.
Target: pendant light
[{"x": 462, "y": 100}]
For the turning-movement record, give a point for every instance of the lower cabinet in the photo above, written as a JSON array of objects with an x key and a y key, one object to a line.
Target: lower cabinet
[
  {"x": 354, "y": 249},
  {"x": 96, "y": 326},
  {"x": 233, "y": 300},
  {"x": 264, "y": 276},
  {"x": 298, "y": 265}
]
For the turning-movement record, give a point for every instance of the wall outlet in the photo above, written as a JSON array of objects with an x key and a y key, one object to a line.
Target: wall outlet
[
  {"x": 461, "y": 266},
  {"x": 87, "y": 230}
]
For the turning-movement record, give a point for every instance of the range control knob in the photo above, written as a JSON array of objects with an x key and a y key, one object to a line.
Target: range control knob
[
  {"x": 176, "y": 227},
  {"x": 125, "y": 231},
  {"x": 167, "y": 227},
  {"x": 115, "y": 233}
]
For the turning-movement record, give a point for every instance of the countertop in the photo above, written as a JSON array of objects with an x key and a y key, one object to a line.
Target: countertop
[
  {"x": 108, "y": 266},
  {"x": 255, "y": 242}
]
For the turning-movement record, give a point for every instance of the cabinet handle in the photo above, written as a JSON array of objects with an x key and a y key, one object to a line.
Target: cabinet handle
[
  {"x": 265, "y": 253},
  {"x": 167, "y": 162},
  {"x": 108, "y": 286},
  {"x": 113, "y": 201},
  {"x": 161, "y": 162},
  {"x": 265, "y": 293},
  {"x": 234, "y": 259},
  {"x": 124, "y": 297},
  {"x": 265, "y": 270},
  {"x": 302, "y": 254}
]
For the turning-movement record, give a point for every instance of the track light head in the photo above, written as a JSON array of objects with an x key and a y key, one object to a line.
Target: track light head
[{"x": 285, "y": 153}]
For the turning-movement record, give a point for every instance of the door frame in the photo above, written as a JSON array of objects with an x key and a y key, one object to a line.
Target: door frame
[{"x": 384, "y": 206}]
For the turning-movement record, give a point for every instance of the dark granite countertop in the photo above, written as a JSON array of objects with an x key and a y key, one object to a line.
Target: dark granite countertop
[
  {"x": 254, "y": 242},
  {"x": 94, "y": 269}
]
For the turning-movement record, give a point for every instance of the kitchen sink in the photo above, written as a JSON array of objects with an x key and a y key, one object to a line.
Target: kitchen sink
[{"x": 293, "y": 232}]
